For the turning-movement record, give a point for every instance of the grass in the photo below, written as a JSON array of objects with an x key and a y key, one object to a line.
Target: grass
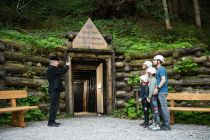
[{"x": 130, "y": 36}]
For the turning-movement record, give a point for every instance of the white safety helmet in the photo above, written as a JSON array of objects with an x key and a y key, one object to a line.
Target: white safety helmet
[
  {"x": 144, "y": 78},
  {"x": 151, "y": 70},
  {"x": 148, "y": 64},
  {"x": 159, "y": 57}
]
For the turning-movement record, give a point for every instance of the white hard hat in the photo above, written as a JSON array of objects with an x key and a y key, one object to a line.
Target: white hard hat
[
  {"x": 148, "y": 63},
  {"x": 144, "y": 78},
  {"x": 159, "y": 57},
  {"x": 151, "y": 70}
]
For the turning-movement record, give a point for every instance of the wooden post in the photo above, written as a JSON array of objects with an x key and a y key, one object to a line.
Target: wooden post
[
  {"x": 137, "y": 100},
  {"x": 69, "y": 89},
  {"x": 172, "y": 113},
  {"x": 13, "y": 102},
  {"x": 109, "y": 86},
  {"x": 113, "y": 81}
]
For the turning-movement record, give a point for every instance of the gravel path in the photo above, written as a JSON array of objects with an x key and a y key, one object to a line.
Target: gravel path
[{"x": 101, "y": 128}]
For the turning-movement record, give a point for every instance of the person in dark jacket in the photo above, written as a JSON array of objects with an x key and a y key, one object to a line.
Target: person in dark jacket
[
  {"x": 143, "y": 97},
  {"x": 54, "y": 74}
]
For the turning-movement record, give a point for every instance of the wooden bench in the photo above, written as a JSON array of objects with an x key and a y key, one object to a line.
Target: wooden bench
[
  {"x": 17, "y": 111},
  {"x": 187, "y": 97}
]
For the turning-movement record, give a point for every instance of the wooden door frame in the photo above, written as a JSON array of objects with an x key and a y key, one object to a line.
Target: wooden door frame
[{"x": 110, "y": 88}]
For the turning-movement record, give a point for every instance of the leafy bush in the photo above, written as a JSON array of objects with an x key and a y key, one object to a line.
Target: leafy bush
[
  {"x": 184, "y": 65},
  {"x": 133, "y": 80},
  {"x": 35, "y": 114},
  {"x": 131, "y": 110},
  {"x": 192, "y": 118}
]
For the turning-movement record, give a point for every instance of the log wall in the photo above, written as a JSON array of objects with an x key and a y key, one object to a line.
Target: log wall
[
  {"x": 198, "y": 81},
  {"x": 27, "y": 69},
  {"x": 22, "y": 67}
]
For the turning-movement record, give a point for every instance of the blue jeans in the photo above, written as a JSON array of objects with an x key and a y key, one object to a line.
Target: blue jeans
[{"x": 164, "y": 108}]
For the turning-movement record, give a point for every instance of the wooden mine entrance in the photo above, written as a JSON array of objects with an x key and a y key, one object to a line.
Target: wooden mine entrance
[
  {"x": 89, "y": 82},
  {"x": 88, "y": 86}
]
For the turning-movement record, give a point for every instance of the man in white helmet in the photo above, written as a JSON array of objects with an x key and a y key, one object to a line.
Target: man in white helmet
[{"x": 162, "y": 90}]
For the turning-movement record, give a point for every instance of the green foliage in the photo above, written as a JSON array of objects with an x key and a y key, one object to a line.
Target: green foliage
[
  {"x": 192, "y": 118},
  {"x": 133, "y": 80},
  {"x": 35, "y": 114},
  {"x": 130, "y": 109},
  {"x": 29, "y": 40},
  {"x": 119, "y": 113},
  {"x": 184, "y": 65}
]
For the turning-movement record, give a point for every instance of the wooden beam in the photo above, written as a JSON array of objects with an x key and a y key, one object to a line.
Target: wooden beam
[{"x": 69, "y": 89}]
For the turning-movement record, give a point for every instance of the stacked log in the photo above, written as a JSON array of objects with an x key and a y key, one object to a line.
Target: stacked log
[{"x": 2, "y": 61}]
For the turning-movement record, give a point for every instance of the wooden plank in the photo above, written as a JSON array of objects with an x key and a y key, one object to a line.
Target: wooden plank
[
  {"x": 19, "y": 108},
  {"x": 99, "y": 89},
  {"x": 84, "y": 67},
  {"x": 11, "y": 94},
  {"x": 195, "y": 109},
  {"x": 188, "y": 96}
]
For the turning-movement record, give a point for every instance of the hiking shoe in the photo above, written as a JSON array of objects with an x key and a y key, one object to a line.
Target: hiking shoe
[
  {"x": 166, "y": 128},
  {"x": 142, "y": 124},
  {"x": 151, "y": 126},
  {"x": 53, "y": 125},
  {"x": 146, "y": 125},
  {"x": 155, "y": 128}
]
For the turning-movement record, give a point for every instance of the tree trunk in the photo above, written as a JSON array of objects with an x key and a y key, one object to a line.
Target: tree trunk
[
  {"x": 17, "y": 81},
  {"x": 119, "y": 64},
  {"x": 124, "y": 94},
  {"x": 120, "y": 103},
  {"x": 190, "y": 81},
  {"x": 197, "y": 13},
  {"x": 20, "y": 69},
  {"x": 14, "y": 56},
  {"x": 166, "y": 14}
]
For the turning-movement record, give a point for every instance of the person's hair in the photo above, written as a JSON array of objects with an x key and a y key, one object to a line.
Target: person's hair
[{"x": 160, "y": 61}]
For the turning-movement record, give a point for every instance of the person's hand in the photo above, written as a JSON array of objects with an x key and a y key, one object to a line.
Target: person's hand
[
  {"x": 155, "y": 91},
  {"x": 68, "y": 63},
  {"x": 148, "y": 100}
]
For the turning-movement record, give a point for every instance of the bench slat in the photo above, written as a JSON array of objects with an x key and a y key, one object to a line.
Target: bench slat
[
  {"x": 19, "y": 108},
  {"x": 189, "y": 96},
  {"x": 196, "y": 109},
  {"x": 12, "y": 94}
]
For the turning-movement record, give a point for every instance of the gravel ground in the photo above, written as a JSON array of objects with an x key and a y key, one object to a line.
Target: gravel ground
[{"x": 101, "y": 128}]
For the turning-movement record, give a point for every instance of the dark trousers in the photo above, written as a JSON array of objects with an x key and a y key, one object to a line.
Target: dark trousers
[
  {"x": 145, "y": 108},
  {"x": 54, "y": 98}
]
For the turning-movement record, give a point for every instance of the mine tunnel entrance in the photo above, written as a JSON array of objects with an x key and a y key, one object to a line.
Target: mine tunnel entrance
[{"x": 89, "y": 86}]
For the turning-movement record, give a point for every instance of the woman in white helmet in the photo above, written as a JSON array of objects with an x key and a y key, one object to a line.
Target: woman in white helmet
[
  {"x": 143, "y": 94},
  {"x": 162, "y": 90},
  {"x": 153, "y": 99},
  {"x": 146, "y": 65}
]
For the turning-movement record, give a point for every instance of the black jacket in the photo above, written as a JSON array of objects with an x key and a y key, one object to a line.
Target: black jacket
[
  {"x": 144, "y": 92},
  {"x": 54, "y": 78}
]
